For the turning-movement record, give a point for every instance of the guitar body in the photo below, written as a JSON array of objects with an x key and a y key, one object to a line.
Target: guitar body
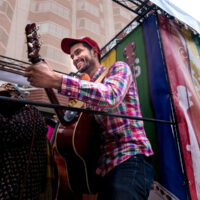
[{"x": 79, "y": 146}]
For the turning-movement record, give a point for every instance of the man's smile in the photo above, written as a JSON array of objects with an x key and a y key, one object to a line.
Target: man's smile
[{"x": 80, "y": 63}]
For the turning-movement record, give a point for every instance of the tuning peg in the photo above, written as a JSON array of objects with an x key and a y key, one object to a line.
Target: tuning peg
[
  {"x": 37, "y": 27},
  {"x": 30, "y": 35},
  {"x": 137, "y": 60},
  {"x": 133, "y": 54},
  {"x": 133, "y": 44},
  {"x": 30, "y": 44},
  {"x": 33, "y": 34},
  {"x": 38, "y": 44},
  {"x": 125, "y": 50},
  {"x": 31, "y": 54}
]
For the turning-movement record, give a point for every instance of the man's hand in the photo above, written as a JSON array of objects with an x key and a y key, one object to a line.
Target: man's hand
[{"x": 41, "y": 75}]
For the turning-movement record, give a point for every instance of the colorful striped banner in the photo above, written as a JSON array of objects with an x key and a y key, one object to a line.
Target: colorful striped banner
[
  {"x": 194, "y": 69},
  {"x": 109, "y": 59},
  {"x": 185, "y": 98},
  {"x": 172, "y": 176}
]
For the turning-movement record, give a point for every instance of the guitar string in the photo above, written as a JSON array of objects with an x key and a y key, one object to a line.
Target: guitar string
[{"x": 7, "y": 63}]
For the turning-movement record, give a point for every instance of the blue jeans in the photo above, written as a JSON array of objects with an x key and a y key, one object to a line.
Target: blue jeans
[{"x": 130, "y": 180}]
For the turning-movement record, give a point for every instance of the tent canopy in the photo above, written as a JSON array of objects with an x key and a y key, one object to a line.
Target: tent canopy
[{"x": 186, "y": 11}]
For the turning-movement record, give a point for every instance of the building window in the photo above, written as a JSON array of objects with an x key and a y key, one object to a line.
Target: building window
[
  {"x": 3, "y": 37},
  {"x": 102, "y": 23},
  {"x": 3, "y": 6},
  {"x": 55, "y": 54},
  {"x": 121, "y": 12},
  {"x": 118, "y": 26},
  {"x": 86, "y": 6},
  {"x": 6, "y": 9},
  {"x": 116, "y": 11},
  {"x": 82, "y": 23},
  {"x": 51, "y": 6},
  {"x": 89, "y": 25},
  {"x": 54, "y": 29},
  {"x": 125, "y": 14},
  {"x": 101, "y": 7},
  {"x": 9, "y": 13}
]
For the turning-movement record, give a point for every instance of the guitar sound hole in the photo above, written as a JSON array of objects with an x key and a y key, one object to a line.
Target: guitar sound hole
[{"x": 70, "y": 116}]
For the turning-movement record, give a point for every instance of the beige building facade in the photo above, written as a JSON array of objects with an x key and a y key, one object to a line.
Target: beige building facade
[{"x": 99, "y": 19}]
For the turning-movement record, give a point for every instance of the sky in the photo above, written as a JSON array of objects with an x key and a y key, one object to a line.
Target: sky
[{"x": 192, "y": 7}]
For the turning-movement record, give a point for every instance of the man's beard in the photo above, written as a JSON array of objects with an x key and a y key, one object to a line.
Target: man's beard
[
  {"x": 88, "y": 65},
  {"x": 83, "y": 69}
]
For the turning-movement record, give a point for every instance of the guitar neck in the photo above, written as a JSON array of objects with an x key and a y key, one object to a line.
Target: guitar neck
[
  {"x": 54, "y": 100},
  {"x": 33, "y": 46}
]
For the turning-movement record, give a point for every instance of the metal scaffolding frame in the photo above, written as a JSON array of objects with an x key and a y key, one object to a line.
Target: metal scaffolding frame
[{"x": 141, "y": 9}]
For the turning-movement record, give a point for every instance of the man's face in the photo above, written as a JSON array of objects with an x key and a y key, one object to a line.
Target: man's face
[{"x": 81, "y": 56}]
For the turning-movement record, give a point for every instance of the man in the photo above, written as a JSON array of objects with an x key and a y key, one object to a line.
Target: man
[{"x": 123, "y": 164}]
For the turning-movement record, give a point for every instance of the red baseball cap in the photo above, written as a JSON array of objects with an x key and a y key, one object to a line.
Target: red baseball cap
[{"x": 66, "y": 42}]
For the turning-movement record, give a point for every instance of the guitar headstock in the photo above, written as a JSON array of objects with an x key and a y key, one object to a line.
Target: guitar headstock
[
  {"x": 129, "y": 54},
  {"x": 33, "y": 44}
]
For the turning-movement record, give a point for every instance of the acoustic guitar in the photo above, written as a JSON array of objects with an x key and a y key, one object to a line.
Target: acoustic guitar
[{"x": 77, "y": 141}]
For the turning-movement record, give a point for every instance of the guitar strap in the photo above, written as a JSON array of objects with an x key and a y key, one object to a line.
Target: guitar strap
[
  {"x": 100, "y": 78},
  {"x": 80, "y": 104}
]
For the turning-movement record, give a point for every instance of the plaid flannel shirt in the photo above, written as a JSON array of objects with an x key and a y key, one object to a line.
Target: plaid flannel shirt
[{"x": 122, "y": 137}]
